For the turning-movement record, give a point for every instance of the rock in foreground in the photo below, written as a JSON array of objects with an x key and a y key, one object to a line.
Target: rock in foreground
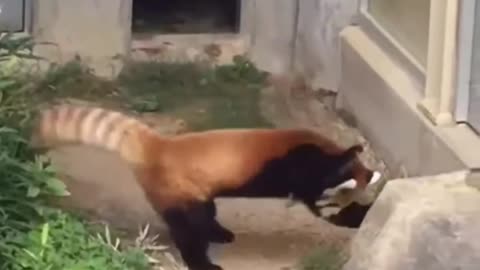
[{"x": 427, "y": 223}]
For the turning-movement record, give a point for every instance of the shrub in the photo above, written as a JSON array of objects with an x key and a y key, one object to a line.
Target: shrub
[{"x": 32, "y": 234}]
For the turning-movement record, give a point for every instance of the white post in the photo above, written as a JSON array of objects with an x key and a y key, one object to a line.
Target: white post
[
  {"x": 430, "y": 102},
  {"x": 447, "y": 93}
]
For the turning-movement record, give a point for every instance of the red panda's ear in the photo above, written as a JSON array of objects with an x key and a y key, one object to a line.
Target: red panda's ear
[{"x": 357, "y": 148}]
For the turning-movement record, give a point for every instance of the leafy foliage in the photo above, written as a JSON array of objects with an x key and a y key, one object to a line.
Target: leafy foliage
[
  {"x": 65, "y": 243},
  {"x": 16, "y": 47},
  {"x": 33, "y": 235}
]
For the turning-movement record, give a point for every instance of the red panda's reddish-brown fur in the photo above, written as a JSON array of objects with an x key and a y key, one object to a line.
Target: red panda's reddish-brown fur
[
  {"x": 200, "y": 164},
  {"x": 175, "y": 171}
]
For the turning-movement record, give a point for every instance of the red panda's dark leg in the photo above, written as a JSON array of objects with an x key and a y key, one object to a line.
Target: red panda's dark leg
[
  {"x": 188, "y": 228},
  {"x": 311, "y": 205},
  {"x": 218, "y": 233}
]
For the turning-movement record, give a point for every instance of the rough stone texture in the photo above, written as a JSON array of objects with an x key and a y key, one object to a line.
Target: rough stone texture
[{"x": 428, "y": 223}]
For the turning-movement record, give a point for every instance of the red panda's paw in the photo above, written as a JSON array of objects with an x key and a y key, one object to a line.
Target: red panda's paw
[{"x": 220, "y": 235}]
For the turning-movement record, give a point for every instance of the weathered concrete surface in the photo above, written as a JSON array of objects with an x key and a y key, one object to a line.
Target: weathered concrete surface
[
  {"x": 428, "y": 223},
  {"x": 317, "y": 43},
  {"x": 278, "y": 34},
  {"x": 217, "y": 49},
  {"x": 383, "y": 95},
  {"x": 95, "y": 30},
  {"x": 298, "y": 35},
  {"x": 270, "y": 24}
]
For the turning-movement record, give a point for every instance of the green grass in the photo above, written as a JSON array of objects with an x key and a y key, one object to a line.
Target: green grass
[
  {"x": 66, "y": 242},
  {"x": 222, "y": 97},
  {"x": 323, "y": 258},
  {"x": 34, "y": 236}
]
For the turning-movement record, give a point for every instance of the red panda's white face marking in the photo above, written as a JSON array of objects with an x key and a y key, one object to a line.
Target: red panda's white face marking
[
  {"x": 375, "y": 178},
  {"x": 352, "y": 183}
]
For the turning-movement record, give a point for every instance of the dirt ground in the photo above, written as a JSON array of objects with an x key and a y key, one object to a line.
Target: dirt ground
[{"x": 269, "y": 235}]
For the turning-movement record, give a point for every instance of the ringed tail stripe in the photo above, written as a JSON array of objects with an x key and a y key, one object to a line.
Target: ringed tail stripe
[{"x": 96, "y": 126}]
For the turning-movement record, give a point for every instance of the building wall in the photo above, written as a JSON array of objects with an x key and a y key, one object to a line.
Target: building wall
[
  {"x": 281, "y": 34},
  {"x": 270, "y": 27},
  {"x": 317, "y": 43},
  {"x": 299, "y": 35},
  {"x": 383, "y": 97},
  {"x": 96, "y": 30}
]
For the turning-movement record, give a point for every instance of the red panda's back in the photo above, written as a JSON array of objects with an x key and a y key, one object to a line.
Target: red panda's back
[{"x": 225, "y": 159}]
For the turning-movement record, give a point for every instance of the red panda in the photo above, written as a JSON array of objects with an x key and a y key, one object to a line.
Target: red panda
[{"x": 181, "y": 175}]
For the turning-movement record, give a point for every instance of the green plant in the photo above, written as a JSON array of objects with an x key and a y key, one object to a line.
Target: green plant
[
  {"x": 64, "y": 242},
  {"x": 16, "y": 47},
  {"x": 323, "y": 258},
  {"x": 32, "y": 234}
]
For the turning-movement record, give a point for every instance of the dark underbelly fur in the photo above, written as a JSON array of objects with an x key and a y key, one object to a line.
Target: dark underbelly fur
[{"x": 305, "y": 172}]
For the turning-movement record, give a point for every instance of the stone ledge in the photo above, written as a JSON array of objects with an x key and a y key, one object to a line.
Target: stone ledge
[{"x": 428, "y": 223}]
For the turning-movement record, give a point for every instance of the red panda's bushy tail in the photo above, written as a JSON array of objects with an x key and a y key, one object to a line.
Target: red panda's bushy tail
[{"x": 94, "y": 126}]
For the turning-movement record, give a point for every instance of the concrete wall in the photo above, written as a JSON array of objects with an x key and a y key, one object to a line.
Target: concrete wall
[
  {"x": 280, "y": 34},
  {"x": 317, "y": 44},
  {"x": 299, "y": 35},
  {"x": 97, "y": 30},
  {"x": 270, "y": 27},
  {"x": 382, "y": 96}
]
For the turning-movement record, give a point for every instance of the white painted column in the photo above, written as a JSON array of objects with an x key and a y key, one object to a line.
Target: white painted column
[
  {"x": 448, "y": 79},
  {"x": 430, "y": 102}
]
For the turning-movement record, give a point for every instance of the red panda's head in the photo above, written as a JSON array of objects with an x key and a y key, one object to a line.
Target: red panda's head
[{"x": 352, "y": 173}]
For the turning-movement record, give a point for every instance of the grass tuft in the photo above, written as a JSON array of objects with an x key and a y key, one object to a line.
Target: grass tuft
[{"x": 323, "y": 258}]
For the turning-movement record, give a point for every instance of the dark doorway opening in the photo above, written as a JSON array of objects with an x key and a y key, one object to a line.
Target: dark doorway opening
[{"x": 185, "y": 16}]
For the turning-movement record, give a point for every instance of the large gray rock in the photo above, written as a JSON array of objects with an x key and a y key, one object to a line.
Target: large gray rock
[{"x": 428, "y": 223}]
